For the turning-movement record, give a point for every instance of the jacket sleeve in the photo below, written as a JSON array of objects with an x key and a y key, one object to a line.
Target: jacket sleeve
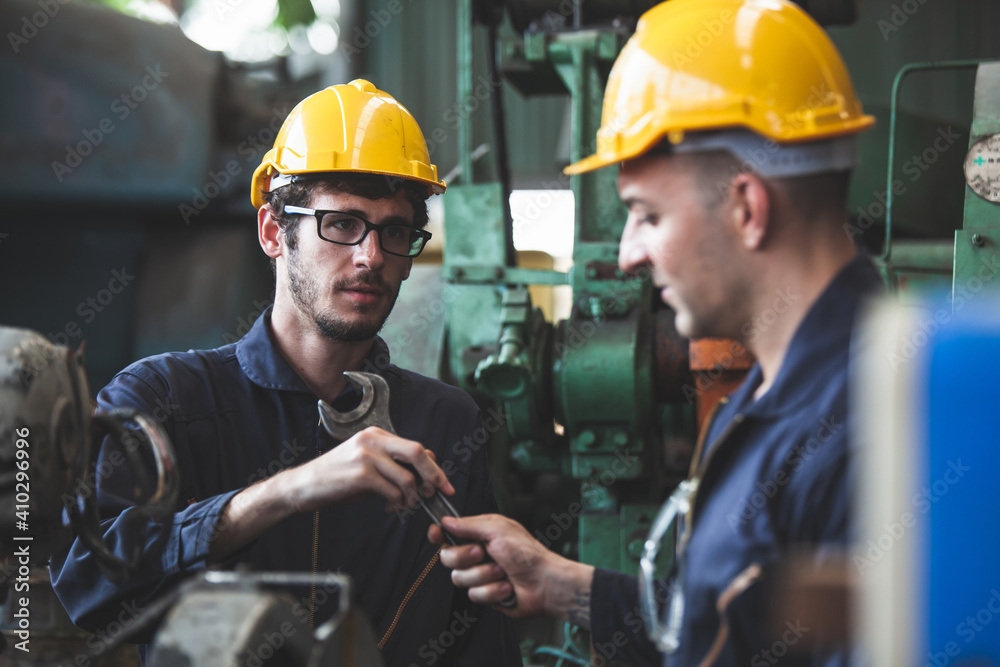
[
  {"x": 169, "y": 549},
  {"x": 617, "y": 630},
  {"x": 490, "y": 640}
]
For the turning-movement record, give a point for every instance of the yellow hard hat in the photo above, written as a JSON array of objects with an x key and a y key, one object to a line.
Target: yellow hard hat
[
  {"x": 352, "y": 127},
  {"x": 695, "y": 65}
]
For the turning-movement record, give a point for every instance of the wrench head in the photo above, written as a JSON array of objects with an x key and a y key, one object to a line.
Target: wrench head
[{"x": 373, "y": 410}]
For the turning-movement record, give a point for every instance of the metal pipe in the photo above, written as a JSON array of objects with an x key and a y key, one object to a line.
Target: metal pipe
[
  {"x": 464, "y": 90},
  {"x": 905, "y": 71},
  {"x": 924, "y": 255}
]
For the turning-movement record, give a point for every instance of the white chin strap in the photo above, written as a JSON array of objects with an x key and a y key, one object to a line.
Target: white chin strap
[{"x": 773, "y": 160}]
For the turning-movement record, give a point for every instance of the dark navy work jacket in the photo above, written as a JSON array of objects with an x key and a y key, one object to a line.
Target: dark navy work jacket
[
  {"x": 239, "y": 413},
  {"x": 779, "y": 479}
]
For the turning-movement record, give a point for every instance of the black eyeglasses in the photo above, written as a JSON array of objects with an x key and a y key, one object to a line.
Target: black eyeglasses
[{"x": 348, "y": 229}]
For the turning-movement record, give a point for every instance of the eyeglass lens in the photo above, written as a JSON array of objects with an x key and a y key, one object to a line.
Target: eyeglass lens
[{"x": 348, "y": 229}]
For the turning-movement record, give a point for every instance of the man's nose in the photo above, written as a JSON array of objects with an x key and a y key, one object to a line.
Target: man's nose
[
  {"x": 368, "y": 253},
  {"x": 631, "y": 251}
]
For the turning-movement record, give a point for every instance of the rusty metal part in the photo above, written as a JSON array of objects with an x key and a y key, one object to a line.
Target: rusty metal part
[
  {"x": 718, "y": 367},
  {"x": 671, "y": 369},
  {"x": 51, "y": 442},
  {"x": 236, "y": 618}
]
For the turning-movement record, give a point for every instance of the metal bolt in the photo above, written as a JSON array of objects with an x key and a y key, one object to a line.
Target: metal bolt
[
  {"x": 978, "y": 240},
  {"x": 591, "y": 272},
  {"x": 458, "y": 272},
  {"x": 587, "y": 439},
  {"x": 635, "y": 548},
  {"x": 498, "y": 272}
]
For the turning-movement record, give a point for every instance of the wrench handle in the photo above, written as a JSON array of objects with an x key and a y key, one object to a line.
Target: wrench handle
[{"x": 437, "y": 506}]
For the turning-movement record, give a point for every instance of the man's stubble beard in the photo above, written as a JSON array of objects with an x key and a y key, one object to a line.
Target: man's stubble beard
[{"x": 305, "y": 294}]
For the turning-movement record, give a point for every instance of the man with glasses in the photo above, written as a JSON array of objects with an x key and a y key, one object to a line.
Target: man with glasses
[
  {"x": 734, "y": 164},
  {"x": 341, "y": 201}
]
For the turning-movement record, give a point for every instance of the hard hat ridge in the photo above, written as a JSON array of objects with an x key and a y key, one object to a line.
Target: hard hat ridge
[
  {"x": 706, "y": 65},
  {"x": 351, "y": 127}
]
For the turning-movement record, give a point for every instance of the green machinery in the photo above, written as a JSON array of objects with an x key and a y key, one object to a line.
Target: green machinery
[
  {"x": 968, "y": 264},
  {"x": 578, "y": 396}
]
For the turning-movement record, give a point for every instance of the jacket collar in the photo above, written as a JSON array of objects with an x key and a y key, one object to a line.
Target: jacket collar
[
  {"x": 818, "y": 350},
  {"x": 260, "y": 359}
]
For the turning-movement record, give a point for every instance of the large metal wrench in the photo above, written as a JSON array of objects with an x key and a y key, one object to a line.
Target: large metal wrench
[{"x": 373, "y": 410}]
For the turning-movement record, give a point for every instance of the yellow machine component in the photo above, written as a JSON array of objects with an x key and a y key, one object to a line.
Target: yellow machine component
[
  {"x": 676, "y": 75},
  {"x": 312, "y": 139}
]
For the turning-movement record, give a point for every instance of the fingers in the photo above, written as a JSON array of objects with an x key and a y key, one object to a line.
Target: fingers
[
  {"x": 482, "y": 527},
  {"x": 478, "y": 576},
  {"x": 492, "y": 593},
  {"x": 435, "y": 535},
  {"x": 416, "y": 455},
  {"x": 462, "y": 556}
]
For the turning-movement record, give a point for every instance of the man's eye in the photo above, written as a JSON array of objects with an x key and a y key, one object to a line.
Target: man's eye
[
  {"x": 395, "y": 232},
  {"x": 342, "y": 224}
]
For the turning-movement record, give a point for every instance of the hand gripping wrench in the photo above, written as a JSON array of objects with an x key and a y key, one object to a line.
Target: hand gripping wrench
[{"x": 373, "y": 410}]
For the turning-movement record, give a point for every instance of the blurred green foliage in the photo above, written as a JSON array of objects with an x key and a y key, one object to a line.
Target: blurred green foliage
[
  {"x": 290, "y": 12},
  {"x": 295, "y": 12}
]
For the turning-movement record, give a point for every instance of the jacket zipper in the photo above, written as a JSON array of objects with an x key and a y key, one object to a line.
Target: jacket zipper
[
  {"x": 315, "y": 571},
  {"x": 739, "y": 584},
  {"x": 406, "y": 599},
  {"x": 753, "y": 572},
  {"x": 699, "y": 473}
]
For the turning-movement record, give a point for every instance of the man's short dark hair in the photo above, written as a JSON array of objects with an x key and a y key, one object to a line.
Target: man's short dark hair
[{"x": 369, "y": 186}]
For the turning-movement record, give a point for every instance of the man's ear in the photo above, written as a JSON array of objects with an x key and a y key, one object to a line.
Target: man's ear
[
  {"x": 751, "y": 210},
  {"x": 409, "y": 265},
  {"x": 269, "y": 232}
]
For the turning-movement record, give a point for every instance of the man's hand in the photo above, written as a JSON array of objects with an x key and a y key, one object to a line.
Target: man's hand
[
  {"x": 545, "y": 583},
  {"x": 371, "y": 461}
]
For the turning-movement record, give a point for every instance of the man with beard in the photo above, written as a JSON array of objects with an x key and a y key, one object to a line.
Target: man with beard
[{"x": 341, "y": 201}]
